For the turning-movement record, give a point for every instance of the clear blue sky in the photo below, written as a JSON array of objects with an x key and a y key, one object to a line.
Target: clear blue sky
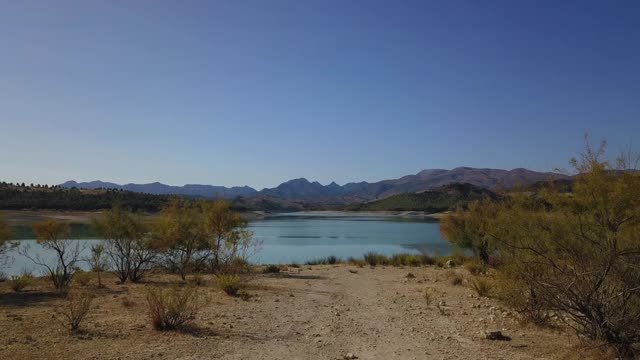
[{"x": 259, "y": 92}]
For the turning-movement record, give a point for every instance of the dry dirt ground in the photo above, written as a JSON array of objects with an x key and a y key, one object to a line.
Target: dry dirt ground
[{"x": 318, "y": 312}]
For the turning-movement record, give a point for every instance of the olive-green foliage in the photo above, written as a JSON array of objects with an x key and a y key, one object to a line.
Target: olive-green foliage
[
  {"x": 173, "y": 308},
  {"x": 469, "y": 228},
  {"x": 406, "y": 259},
  {"x": 575, "y": 254},
  {"x": 437, "y": 200},
  {"x": 179, "y": 234},
  {"x": 128, "y": 248},
  {"x": 5, "y": 234},
  {"x": 230, "y": 284},
  {"x": 227, "y": 235},
  {"x": 373, "y": 258}
]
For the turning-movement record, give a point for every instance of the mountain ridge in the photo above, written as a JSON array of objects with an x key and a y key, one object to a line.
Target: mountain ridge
[{"x": 301, "y": 188}]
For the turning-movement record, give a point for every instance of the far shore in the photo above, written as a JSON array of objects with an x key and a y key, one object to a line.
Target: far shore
[{"x": 26, "y": 217}]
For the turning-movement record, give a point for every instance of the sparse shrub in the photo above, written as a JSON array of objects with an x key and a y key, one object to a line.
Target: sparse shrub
[
  {"x": 230, "y": 284},
  {"x": 55, "y": 237},
  {"x": 427, "y": 260},
  {"x": 329, "y": 260},
  {"x": 75, "y": 310},
  {"x": 397, "y": 259},
  {"x": 198, "y": 280},
  {"x": 475, "y": 267},
  {"x": 429, "y": 296},
  {"x": 294, "y": 265},
  {"x": 482, "y": 286},
  {"x": 410, "y": 276},
  {"x": 237, "y": 265},
  {"x": 170, "y": 309},
  {"x": 373, "y": 258},
  {"x": 413, "y": 260},
  {"x": 20, "y": 282},
  {"x": 357, "y": 262},
  {"x": 82, "y": 278},
  {"x": 244, "y": 295},
  {"x": 126, "y": 302},
  {"x": 271, "y": 269},
  {"x": 456, "y": 279}
]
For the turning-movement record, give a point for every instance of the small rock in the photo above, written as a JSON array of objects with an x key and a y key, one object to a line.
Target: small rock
[{"x": 350, "y": 356}]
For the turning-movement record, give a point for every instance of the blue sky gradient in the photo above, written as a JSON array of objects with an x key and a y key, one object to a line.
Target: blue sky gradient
[{"x": 259, "y": 92}]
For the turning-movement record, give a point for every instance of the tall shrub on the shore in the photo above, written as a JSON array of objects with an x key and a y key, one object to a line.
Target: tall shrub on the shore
[
  {"x": 5, "y": 245},
  {"x": 179, "y": 234},
  {"x": 470, "y": 229},
  {"x": 55, "y": 237},
  {"x": 577, "y": 254},
  {"x": 127, "y": 244},
  {"x": 227, "y": 235}
]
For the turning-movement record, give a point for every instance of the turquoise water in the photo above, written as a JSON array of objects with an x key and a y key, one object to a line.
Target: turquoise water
[{"x": 300, "y": 237}]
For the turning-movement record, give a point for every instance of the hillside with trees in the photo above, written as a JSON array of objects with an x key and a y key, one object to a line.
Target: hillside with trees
[
  {"x": 444, "y": 198},
  {"x": 22, "y": 196}
]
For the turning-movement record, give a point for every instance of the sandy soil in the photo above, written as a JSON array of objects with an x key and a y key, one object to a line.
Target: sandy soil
[{"x": 319, "y": 312}]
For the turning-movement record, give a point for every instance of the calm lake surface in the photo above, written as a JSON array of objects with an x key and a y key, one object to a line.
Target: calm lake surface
[{"x": 299, "y": 237}]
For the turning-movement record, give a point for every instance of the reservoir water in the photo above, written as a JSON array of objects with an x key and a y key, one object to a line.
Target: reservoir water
[{"x": 300, "y": 237}]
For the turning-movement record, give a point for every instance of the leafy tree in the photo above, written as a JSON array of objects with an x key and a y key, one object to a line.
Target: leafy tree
[
  {"x": 5, "y": 245},
  {"x": 54, "y": 236},
  {"x": 126, "y": 243},
  {"x": 470, "y": 229},
  {"x": 227, "y": 235},
  {"x": 180, "y": 234},
  {"x": 575, "y": 254}
]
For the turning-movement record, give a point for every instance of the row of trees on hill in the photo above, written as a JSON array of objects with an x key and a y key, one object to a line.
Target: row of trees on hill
[
  {"x": 575, "y": 255},
  {"x": 14, "y": 197},
  {"x": 188, "y": 236}
]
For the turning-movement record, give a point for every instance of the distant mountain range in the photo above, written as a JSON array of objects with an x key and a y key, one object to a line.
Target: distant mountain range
[
  {"x": 157, "y": 188},
  {"x": 361, "y": 191}
]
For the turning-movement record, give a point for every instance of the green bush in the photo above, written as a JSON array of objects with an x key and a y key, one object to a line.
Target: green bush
[
  {"x": 373, "y": 258},
  {"x": 172, "y": 308},
  {"x": 230, "y": 284}
]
